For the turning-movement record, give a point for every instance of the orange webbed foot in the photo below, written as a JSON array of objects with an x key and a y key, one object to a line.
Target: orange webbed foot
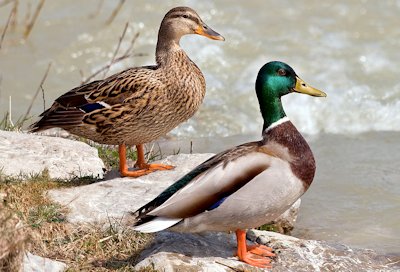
[
  {"x": 158, "y": 166},
  {"x": 155, "y": 167},
  {"x": 135, "y": 173},
  {"x": 257, "y": 261},
  {"x": 144, "y": 168},
  {"x": 256, "y": 255},
  {"x": 261, "y": 250}
]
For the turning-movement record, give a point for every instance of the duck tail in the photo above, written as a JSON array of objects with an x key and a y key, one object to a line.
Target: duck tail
[
  {"x": 68, "y": 110},
  {"x": 58, "y": 116}
]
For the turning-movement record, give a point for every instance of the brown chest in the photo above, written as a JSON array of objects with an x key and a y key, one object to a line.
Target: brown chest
[{"x": 300, "y": 156}]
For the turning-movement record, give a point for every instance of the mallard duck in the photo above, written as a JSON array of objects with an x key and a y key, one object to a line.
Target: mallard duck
[
  {"x": 245, "y": 186},
  {"x": 140, "y": 104}
]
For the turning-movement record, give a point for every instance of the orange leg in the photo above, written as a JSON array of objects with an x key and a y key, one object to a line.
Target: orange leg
[
  {"x": 144, "y": 168},
  {"x": 253, "y": 255}
]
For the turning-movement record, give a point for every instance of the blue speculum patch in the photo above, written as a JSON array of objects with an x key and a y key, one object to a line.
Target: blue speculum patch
[
  {"x": 91, "y": 107},
  {"x": 217, "y": 204}
]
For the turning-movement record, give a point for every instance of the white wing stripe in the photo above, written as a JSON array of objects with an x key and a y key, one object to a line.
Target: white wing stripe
[{"x": 157, "y": 224}]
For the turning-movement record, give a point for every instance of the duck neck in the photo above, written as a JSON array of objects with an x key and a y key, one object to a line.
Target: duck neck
[
  {"x": 271, "y": 111},
  {"x": 168, "y": 42}
]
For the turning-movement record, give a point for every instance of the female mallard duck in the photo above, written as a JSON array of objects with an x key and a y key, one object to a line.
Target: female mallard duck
[
  {"x": 245, "y": 186},
  {"x": 140, "y": 104}
]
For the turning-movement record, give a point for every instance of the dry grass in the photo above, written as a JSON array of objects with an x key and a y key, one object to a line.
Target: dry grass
[
  {"x": 12, "y": 240},
  {"x": 81, "y": 247}
]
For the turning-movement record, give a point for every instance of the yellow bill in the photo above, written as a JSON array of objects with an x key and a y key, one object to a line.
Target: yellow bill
[{"x": 302, "y": 87}]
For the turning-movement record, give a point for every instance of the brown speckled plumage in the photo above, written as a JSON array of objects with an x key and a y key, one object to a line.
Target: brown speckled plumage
[{"x": 140, "y": 104}]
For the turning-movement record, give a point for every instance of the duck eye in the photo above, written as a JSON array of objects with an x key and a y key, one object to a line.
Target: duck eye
[
  {"x": 185, "y": 16},
  {"x": 281, "y": 72}
]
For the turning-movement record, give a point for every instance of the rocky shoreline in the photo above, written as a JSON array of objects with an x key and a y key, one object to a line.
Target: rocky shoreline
[{"x": 113, "y": 196}]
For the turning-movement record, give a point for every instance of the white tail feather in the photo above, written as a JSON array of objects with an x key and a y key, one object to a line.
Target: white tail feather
[{"x": 157, "y": 224}]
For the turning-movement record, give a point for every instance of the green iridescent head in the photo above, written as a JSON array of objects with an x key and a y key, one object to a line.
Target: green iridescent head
[{"x": 274, "y": 80}]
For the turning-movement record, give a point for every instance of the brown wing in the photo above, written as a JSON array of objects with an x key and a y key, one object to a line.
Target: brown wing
[
  {"x": 208, "y": 183},
  {"x": 70, "y": 108}
]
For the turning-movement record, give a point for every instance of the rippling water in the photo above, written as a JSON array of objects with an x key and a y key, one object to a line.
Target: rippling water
[{"x": 349, "y": 49}]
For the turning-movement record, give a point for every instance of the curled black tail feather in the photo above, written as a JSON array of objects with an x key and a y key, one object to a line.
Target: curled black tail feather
[{"x": 140, "y": 219}]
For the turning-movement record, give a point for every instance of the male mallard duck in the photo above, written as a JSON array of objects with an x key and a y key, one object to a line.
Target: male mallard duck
[
  {"x": 245, "y": 186},
  {"x": 140, "y": 104}
]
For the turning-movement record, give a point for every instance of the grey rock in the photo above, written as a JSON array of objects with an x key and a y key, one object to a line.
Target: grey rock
[
  {"x": 27, "y": 154},
  {"x": 34, "y": 263},
  {"x": 295, "y": 254},
  {"x": 214, "y": 252},
  {"x": 115, "y": 196},
  {"x": 190, "y": 252}
]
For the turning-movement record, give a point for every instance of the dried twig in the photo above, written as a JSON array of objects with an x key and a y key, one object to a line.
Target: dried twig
[
  {"x": 44, "y": 99},
  {"x": 6, "y": 27},
  {"x": 1, "y": 81},
  {"x": 105, "y": 239},
  {"x": 132, "y": 43},
  {"x": 115, "y": 12},
  {"x": 9, "y": 112},
  {"x": 150, "y": 152},
  {"x": 99, "y": 6},
  {"x": 30, "y": 25},
  {"x": 127, "y": 54},
  {"x": 37, "y": 92},
  {"x": 121, "y": 58},
  {"x": 5, "y": 2},
  {"x": 28, "y": 13},
  {"x": 14, "y": 18},
  {"x": 116, "y": 49}
]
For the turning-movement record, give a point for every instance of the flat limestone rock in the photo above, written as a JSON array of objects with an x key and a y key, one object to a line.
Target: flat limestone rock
[
  {"x": 310, "y": 255},
  {"x": 28, "y": 154},
  {"x": 173, "y": 251},
  {"x": 34, "y": 263},
  {"x": 115, "y": 196},
  {"x": 214, "y": 252}
]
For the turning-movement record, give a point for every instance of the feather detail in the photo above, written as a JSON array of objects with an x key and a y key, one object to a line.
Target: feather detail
[
  {"x": 58, "y": 116},
  {"x": 157, "y": 224},
  {"x": 223, "y": 157},
  {"x": 212, "y": 186},
  {"x": 94, "y": 106},
  {"x": 213, "y": 181}
]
